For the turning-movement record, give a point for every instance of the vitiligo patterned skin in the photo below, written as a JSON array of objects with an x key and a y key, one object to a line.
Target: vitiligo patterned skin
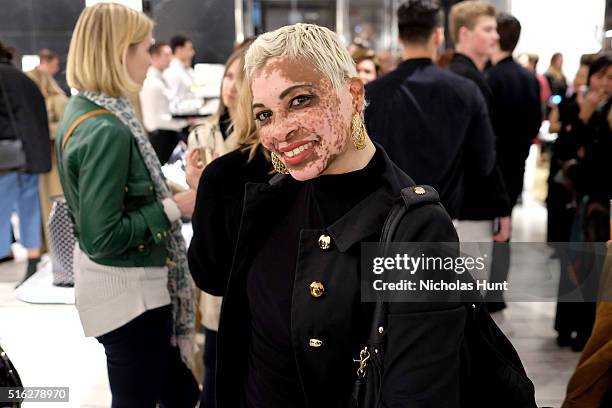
[{"x": 293, "y": 104}]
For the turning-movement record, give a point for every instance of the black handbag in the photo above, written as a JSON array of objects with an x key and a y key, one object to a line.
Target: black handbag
[
  {"x": 12, "y": 155},
  {"x": 8, "y": 377},
  {"x": 492, "y": 374},
  {"x": 61, "y": 242}
]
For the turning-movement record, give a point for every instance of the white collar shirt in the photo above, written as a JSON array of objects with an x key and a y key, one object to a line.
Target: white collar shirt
[
  {"x": 155, "y": 100},
  {"x": 179, "y": 80}
]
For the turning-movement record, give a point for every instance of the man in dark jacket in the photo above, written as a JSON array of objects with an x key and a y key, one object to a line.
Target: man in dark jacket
[
  {"x": 432, "y": 122},
  {"x": 485, "y": 211},
  {"x": 23, "y": 116},
  {"x": 474, "y": 30},
  {"x": 515, "y": 109},
  {"x": 516, "y": 116}
]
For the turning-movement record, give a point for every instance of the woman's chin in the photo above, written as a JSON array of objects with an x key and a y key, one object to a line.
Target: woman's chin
[{"x": 304, "y": 174}]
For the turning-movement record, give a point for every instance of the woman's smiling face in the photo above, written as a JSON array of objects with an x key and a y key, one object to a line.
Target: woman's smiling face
[{"x": 300, "y": 116}]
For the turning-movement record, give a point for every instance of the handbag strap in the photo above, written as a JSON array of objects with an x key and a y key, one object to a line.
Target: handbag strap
[
  {"x": 9, "y": 111},
  {"x": 80, "y": 120},
  {"x": 410, "y": 198}
]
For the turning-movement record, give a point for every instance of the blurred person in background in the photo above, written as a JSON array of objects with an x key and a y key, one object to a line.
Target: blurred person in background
[
  {"x": 132, "y": 285},
  {"x": 24, "y": 137},
  {"x": 515, "y": 112},
  {"x": 561, "y": 201},
  {"x": 516, "y": 115},
  {"x": 225, "y": 149},
  {"x": 419, "y": 104},
  {"x": 484, "y": 216},
  {"x": 387, "y": 61},
  {"x": 55, "y": 101},
  {"x": 367, "y": 64},
  {"x": 562, "y": 110},
  {"x": 164, "y": 132},
  {"x": 593, "y": 129},
  {"x": 445, "y": 58},
  {"x": 215, "y": 136},
  {"x": 587, "y": 141},
  {"x": 55, "y": 98},
  {"x": 179, "y": 75},
  {"x": 554, "y": 75},
  {"x": 485, "y": 211},
  {"x": 530, "y": 62}
]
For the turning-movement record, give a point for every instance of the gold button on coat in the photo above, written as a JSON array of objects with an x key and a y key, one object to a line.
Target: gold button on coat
[
  {"x": 141, "y": 248},
  {"x": 419, "y": 190},
  {"x": 316, "y": 289},
  {"x": 315, "y": 343},
  {"x": 324, "y": 242},
  {"x": 159, "y": 236}
]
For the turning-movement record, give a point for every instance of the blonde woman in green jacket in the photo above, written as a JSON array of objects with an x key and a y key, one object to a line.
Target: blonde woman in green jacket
[{"x": 132, "y": 284}]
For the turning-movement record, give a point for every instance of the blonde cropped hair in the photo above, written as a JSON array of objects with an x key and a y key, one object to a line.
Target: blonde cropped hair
[
  {"x": 98, "y": 49},
  {"x": 309, "y": 42},
  {"x": 465, "y": 14}
]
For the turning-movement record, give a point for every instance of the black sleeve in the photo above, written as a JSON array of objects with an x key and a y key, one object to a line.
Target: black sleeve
[
  {"x": 535, "y": 110},
  {"x": 480, "y": 146},
  {"x": 422, "y": 359},
  {"x": 32, "y": 122},
  {"x": 211, "y": 250}
]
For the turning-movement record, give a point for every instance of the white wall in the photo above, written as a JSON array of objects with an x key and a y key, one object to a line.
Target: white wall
[{"x": 572, "y": 27}]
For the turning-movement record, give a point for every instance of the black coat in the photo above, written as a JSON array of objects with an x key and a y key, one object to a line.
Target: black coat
[
  {"x": 485, "y": 197},
  {"x": 216, "y": 218},
  {"x": 434, "y": 124},
  {"x": 517, "y": 115},
  {"x": 30, "y": 113},
  {"x": 422, "y": 358}
]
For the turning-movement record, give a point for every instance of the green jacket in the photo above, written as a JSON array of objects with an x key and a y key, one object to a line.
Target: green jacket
[{"x": 118, "y": 219}]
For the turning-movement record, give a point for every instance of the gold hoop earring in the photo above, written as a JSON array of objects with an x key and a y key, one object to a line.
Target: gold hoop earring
[
  {"x": 278, "y": 165},
  {"x": 358, "y": 132}
]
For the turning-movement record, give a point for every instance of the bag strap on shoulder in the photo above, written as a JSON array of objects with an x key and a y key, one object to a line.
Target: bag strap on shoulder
[
  {"x": 80, "y": 120},
  {"x": 410, "y": 198}
]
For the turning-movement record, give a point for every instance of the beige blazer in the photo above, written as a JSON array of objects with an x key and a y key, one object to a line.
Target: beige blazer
[{"x": 55, "y": 98}]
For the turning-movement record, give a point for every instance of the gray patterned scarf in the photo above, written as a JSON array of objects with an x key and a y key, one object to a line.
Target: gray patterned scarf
[{"x": 180, "y": 284}]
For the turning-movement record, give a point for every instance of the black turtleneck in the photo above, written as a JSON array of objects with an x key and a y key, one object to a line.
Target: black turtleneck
[{"x": 272, "y": 379}]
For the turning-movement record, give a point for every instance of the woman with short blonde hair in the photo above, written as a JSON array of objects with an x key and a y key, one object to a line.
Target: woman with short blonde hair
[
  {"x": 292, "y": 322},
  {"x": 132, "y": 286}
]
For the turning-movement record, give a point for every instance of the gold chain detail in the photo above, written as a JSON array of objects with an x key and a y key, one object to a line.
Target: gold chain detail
[{"x": 278, "y": 165}]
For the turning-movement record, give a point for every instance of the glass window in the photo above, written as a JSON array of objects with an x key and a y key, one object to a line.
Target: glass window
[
  {"x": 372, "y": 24},
  {"x": 271, "y": 14}
]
